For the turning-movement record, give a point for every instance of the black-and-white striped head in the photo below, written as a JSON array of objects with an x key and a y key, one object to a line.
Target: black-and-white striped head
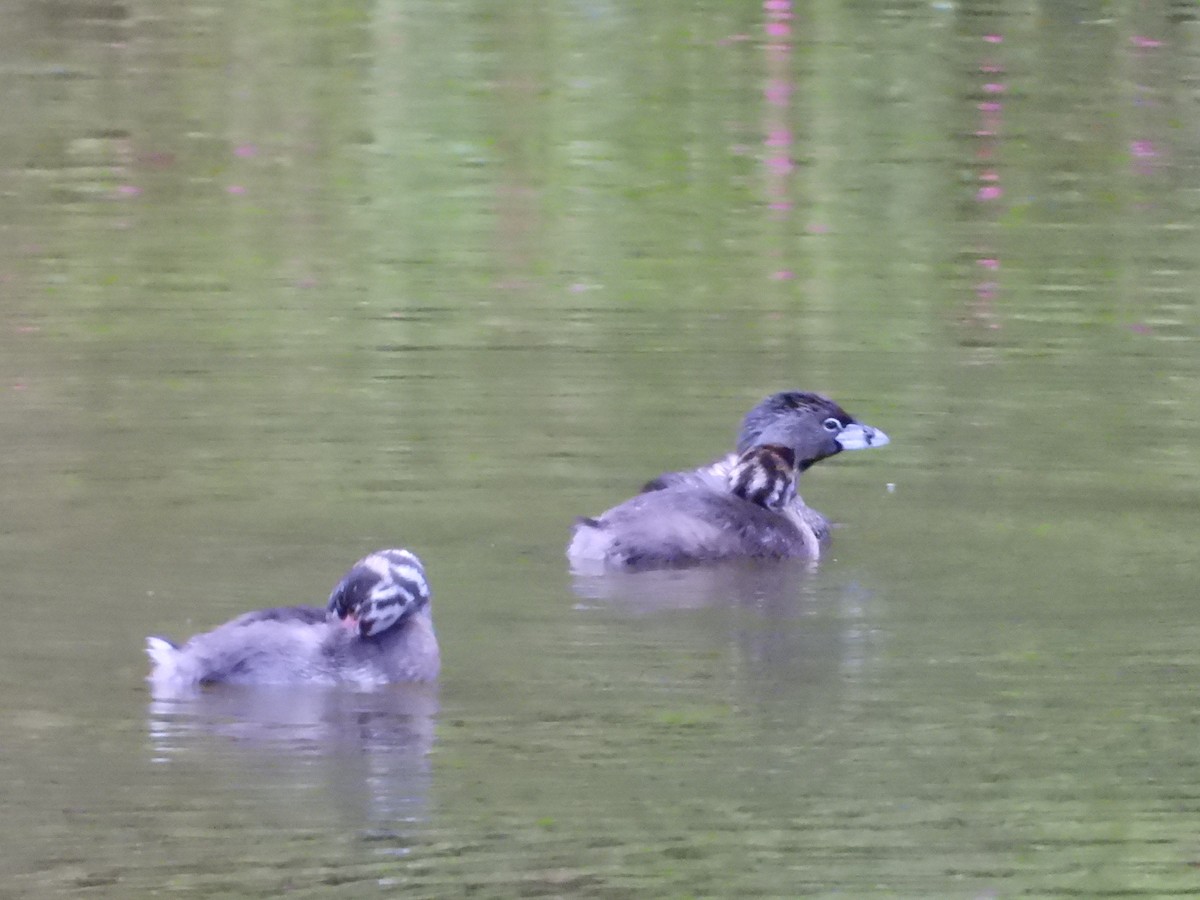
[
  {"x": 379, "y": 592},
  {"x": 766, "y": 476},
  {"x": 814, "y": 427}
]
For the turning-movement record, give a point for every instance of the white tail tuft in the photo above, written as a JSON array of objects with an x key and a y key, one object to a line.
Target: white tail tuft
[{"x": 163, "y": 654}]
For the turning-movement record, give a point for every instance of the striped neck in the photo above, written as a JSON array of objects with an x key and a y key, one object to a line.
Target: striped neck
[{"x": 765, "y": 476}]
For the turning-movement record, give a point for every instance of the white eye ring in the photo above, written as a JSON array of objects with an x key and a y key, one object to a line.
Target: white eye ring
[{"x": 831, "y": 425}]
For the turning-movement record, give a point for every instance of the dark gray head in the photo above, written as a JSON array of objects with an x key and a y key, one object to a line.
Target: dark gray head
[
  {"x": 379, "y": 592},
  {"x": 812, "y": 426},
  {"x": 766, "y": 476}
]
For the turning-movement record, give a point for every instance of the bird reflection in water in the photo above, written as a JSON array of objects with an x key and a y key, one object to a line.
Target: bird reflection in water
[{"x": 365, "y": 753}]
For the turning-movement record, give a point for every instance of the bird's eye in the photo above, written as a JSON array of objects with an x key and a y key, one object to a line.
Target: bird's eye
[{"x": 831, "y": 425}]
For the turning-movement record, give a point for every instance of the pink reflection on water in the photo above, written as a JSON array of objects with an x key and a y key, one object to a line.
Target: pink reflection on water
[
  {"x": 777, "y": 92},
  {"x": 780, "y": 165},
  {"x": 987, "y": 290},
  {"x": 1144, "y": 152},
  {"x": 987, "y": 135},
  {"x": 777, "y": 162},
  {"x": 1154, "y": 131}
]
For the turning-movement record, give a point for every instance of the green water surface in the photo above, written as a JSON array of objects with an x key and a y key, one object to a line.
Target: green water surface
[{"x": 281, "y": 284}]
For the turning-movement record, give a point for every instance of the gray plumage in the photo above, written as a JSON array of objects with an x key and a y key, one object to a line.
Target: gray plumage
[
  {"x": 377, "y": 628},
  {"x": 703, "y": 515},
  {"x": 748, "y": 515}
]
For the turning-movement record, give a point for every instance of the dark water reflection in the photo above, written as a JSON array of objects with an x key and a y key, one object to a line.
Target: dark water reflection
[
  {"x": 769, "y": 587},
  {"x": 780, "y": 627},
  {"x": 279, "y": 287},
  {"x": 363, "y": 753}
]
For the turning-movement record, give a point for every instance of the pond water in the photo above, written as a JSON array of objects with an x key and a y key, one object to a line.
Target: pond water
[{"x": 285, "y": 285}]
